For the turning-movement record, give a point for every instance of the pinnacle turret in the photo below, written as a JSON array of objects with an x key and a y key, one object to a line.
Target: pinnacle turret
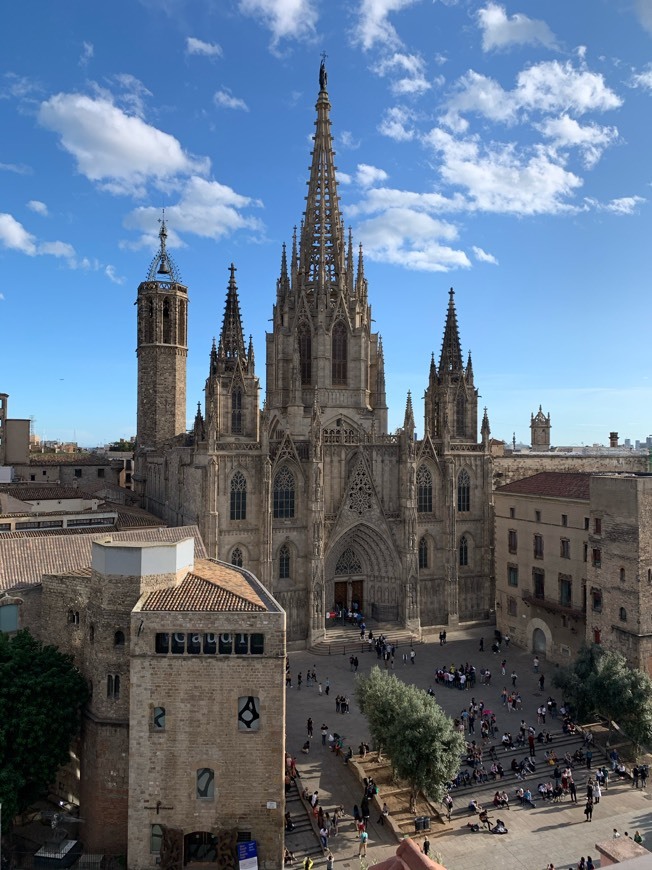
[
  {"x": 163, "y": 268},
  {"x": 231, "y": 345},
  {"x": 450, "y": 360},
  {"x": 408, "y": 422},
  {"x": 485, "y": 429}
]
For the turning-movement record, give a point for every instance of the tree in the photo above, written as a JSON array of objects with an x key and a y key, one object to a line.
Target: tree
[
  {"x": 418, "y": 737},
  {"x": 41, "y": 695},
  {"x": 602, "y": 683}
]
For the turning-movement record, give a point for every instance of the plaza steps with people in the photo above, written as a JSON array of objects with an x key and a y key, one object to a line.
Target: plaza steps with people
[
  {"x": 303, "y": 839},
  {"x": 345, "y": 640},
  {"x": 562, "y": 743}
]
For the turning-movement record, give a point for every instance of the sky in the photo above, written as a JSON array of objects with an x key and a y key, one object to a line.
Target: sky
[{"x": 500, "y": 148}]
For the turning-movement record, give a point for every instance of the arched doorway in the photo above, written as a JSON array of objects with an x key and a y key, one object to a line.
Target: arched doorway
[
  {"x": 363, "y": 569},
  {"x": 200, "y": 847},
  {"x": 539, "y": 641}
]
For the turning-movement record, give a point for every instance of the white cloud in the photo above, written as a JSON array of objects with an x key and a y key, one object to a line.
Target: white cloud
[
  {"x": 57, "y": 249},
  {"x": 591, "y": 139},
  {"x": 545, "y": 87},
  {"x": 286, "y": 19},
  {"x": 396, "y": 124},
  {"x": 621, "y": 205},
  {"x": 19, "y": 87},
  {"x": 37, "y": 206},
  {"x": 483, "y": 256},
  {"x": 112, "y": 275},
  {"x": 120, "y": 152},
  {"x": 205, "y": 208},
  {"x": 411, "y": 239},
  {"x": 380, "y": 199},
  {"x": 410, "y": 70},
  {"x": 87, "y": 53},
  {"x": 344, "y": 177},
  {"x": 225, "y": 100},
  {"x": 500, "y": 30},
  {"x": 2, "y": 296},
  {"x": 373, "y": 25},
  {"x": 14, "y": 236},
  {"x": 644, "y": 12},
  {"x": 498, "y": 178},
  {"x": 205, "y": 49},
  {"x": 18, "y": 168},
  {"x": 643, "y": 79},
  {"x": 368, "y": 176},
  {"x": 347, "y": 140}
]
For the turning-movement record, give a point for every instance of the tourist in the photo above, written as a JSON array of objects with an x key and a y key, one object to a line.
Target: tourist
[{"x": 362, "y": 848}]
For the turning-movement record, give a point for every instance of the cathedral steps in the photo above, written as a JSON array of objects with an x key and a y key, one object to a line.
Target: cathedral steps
[{"x": 346, "y": 640}]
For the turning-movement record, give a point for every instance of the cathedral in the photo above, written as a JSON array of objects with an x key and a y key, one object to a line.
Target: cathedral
[{"x": 311, "y": 492}]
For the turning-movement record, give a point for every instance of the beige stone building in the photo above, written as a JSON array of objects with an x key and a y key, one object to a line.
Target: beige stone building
[
  {"x": 541, "y": 562},
  {"x": 14, "y": 437},
  {"x": 185, "y": 658},
  {"x": 313, "y": 493}
]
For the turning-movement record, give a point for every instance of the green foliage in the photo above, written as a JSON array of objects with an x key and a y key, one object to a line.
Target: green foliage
[
  {"x": 602, "y": 683},
  {"x": 41, "y": 694},
  {"x": 413, "y": 730}
]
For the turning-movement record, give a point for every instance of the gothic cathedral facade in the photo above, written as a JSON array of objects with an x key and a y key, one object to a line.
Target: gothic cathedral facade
[{"x": 312, "y": 493}]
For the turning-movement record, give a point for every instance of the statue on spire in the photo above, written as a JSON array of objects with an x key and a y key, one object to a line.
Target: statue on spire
[{"x": 323, "y": 75}]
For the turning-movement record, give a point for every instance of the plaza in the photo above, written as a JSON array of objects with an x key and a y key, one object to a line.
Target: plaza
[{"x": 550, "y": 832}]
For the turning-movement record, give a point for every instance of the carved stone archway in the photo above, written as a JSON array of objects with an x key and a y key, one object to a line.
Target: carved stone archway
[{"x": 367, "y": 562}]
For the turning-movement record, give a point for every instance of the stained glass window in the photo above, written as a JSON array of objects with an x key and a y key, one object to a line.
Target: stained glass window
[
  {"x": 283, "y": 494},
  {"x": 463, "y": 491},
  {"x": 238, "y": 496},
  {"x": 424, "y": 490}
]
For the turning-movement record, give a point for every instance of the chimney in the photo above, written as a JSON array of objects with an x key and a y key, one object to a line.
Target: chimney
[{"x": 613, "y": 439}]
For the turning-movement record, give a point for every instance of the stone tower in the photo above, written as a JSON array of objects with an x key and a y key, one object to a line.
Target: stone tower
[
  {"x": 162, "y": 351},
  {"x": 540, "y": 429},
  {"x": 232, "y": 388},
  {"x": 451, "y": 400},
  {"x": 321, "y": 349}
]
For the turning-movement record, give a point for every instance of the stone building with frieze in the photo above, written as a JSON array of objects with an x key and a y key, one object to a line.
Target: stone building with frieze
[{"x": 312, "y": 493}]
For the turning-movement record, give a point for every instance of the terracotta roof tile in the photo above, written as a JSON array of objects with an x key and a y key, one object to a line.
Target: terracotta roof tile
[
  {"x": 68, "y": 459},
  {"x": 212, "y": 587},
  {"x": 551, "y": 484},
  {"x": 41, "y": 492},
  {"x": 26, "y": 558}
]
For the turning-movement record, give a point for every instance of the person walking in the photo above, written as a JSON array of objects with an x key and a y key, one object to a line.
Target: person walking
[
  {"x": 535, "y": 664},
  {"x": 588, "y": 810},
  {"x": 383, "y": 814},
  {"x": 309, "y": 727},
  {"x": 299, "y": 679},
  {"x": 635, "y": 776},
  {"x": 481, "y": 648},
  {"x": 327, "y": 686},
  {"x": 542, "y": 682},
  {"x": 324, "y": 733},
  {"x": 362, "y": 848},
  {"x": 426, "y": 846},
  {"x": 514, "y": 678},
  {"x": 330, "y": 861},
  {"x": 572, "y": 788}
]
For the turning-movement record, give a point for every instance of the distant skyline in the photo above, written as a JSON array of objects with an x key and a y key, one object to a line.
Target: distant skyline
[{"x": 501, "y": 148}]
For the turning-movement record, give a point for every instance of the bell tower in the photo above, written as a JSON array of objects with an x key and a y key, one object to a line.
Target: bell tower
[{"x": 162, "y": 351}]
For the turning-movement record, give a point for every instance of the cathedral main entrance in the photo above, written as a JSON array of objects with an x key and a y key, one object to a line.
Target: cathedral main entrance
[{"x": 349, "y": 594}]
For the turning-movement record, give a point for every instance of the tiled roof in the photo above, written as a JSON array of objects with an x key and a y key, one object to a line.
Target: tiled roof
[
  {"x": 25, "y": 558},
  {"x": 212, "y": 587},
  {"x": 551, "y": 484},
  {"x": 68, "y": 459},
  {"x": 39, "y": 492}
]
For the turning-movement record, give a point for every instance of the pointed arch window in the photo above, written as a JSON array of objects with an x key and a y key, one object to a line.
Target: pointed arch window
[
  {"x": 284, "y": 562},
  {"x": 236, "y": 411},
  {"x": 464, "y": 552},
  {"x": 283, "y": 507},
  {"x": 339, "y": 351},
  {"x": 348, "y": 563},
  {"x": 424, "y": 490},
  {"x": 463, "y": 491},
  {"x": 423, "y": 553},
  {"x": 167, "y": 322},
  {"x": 460, "y": 414},
  {"x": 305, "y": 353},
  {"x": 236, "y": 557},
  {"x": 238, "y": 496}
]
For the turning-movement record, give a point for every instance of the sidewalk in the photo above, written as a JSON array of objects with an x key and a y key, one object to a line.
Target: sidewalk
[{"x": 556, "y": 832}]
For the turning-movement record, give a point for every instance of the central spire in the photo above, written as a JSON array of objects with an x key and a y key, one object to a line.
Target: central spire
[
  {"x": 451, "y": 352},
  {"x": 231, "y": 338},
  {"x": 322, "y": 244}
]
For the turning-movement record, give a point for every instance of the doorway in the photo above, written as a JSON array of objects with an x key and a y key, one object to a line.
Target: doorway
[
  {"x": 357, "y": 602},
  {"x": 341, "y": 594},
  {"x": 539, "y": 641}
]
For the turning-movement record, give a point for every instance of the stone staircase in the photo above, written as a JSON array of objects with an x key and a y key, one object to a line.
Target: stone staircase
[
  {"x": 345, "y": 640},
  {"x": 303, "y": 839}
]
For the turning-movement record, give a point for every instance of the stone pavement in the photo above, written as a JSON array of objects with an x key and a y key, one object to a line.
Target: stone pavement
[{"x": 550, "y": 832}]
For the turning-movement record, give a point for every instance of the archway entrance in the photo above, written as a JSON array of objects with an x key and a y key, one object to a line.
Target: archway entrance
[
  {"x": 538, "y": 641},
  {"x": 361, "y": 574},
  {"x": 200, "y": 849}
]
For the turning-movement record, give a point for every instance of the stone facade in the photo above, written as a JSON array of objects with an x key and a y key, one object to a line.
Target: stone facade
[
  {"x": 509, "y": 466},
  {"x": 313, "y": 493},
  {"x": 541, "y": 562},
  {"x": 134, "y": 778}
]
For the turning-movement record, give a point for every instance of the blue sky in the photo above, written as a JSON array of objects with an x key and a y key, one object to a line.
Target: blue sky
[{"x": 499, "y": 148}]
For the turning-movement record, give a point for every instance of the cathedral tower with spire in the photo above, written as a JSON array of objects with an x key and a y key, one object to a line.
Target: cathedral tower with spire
[{"x": 312, "y": 492}]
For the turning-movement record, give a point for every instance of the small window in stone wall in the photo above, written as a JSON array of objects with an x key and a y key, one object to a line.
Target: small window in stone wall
[
  {"x": 511, "y": 606},
  {"x": 91, "y": 633},
  {"x": 248, "y": 713},
  {"x": 119, "y": 638},
  {"x": 73, "y": 617},
  {"x": 205, "y": 783},
  {"x": 158, "y": 719},
  {"x": 623, "y": 614},
  {"x": 155, "y": 839},
  {"x": 9, "y": 619},
  {"x": 622, "y": 575},
  {"x": 113, "y": 686}
]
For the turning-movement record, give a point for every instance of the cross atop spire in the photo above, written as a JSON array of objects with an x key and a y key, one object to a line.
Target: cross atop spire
[
  {"x": 322, "y": 256},
  {"x": 450, "y": 360},
  {"x": 231, "y": 338}
]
